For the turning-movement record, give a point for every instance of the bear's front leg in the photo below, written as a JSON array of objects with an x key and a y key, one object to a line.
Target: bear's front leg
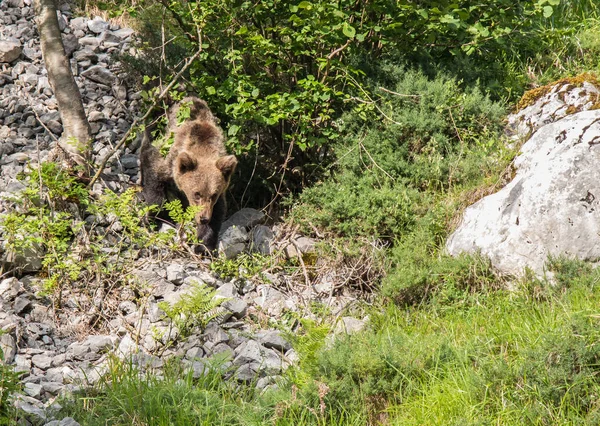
[{"x": 208, "y": 234}]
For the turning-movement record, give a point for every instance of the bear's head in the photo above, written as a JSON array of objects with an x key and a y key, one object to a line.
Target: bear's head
[{"x": 203, "y": 181}]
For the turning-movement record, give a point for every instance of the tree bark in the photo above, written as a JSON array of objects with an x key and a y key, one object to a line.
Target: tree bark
[{"x": 76, "y": 137}]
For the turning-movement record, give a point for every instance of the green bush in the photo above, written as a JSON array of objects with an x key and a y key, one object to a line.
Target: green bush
[{"x": 434, "y": 136}]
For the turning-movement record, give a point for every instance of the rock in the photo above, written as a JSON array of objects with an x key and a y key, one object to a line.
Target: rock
[
  {"x": 32, "y": 407},
  {"x": 262, "y": 240},
  {"x": 127, "y": 348},
  {"x": 236, "y": 306},
  {"x": 249, "y": 352},
  {"x": 305, "y": 244},
  {"x": 34, "y": 390},
  {"x": 123, "y": 33},
  {"x": 227, "y": 290},
  {"x": 245, "y": 218},
  {"x": 233, "y": 241},
  {"x": 175, "y": 273},
  {"x": 9, "y": 289},
  {"x": 8, "y": 347},
  {"x": 22, "y": 304},
  {"x": 129, "y": 161},
  {"x": 127, "y": 307},
  {"x": 272, "y": 339},
  {"x": 194, "y": 353},
  {"x": 350, "y": 325},
  {"x": 551, "y": 207},
  {"x": 79, "y": 23},
  {"x": 558, "y": 101},
  {"x": 43, "y": 362},
  {"x": 10, "y": 50},
  {"x": 247, "y": 372},
  {"x": 22, "y": 363},
  {"x": 28, "y": 259},
  {"x": 99, "y": 74},
  {"x": 271, "y": 300},
  {"x": 71, "y": 43},
  {"x": 98, "y": 25}
]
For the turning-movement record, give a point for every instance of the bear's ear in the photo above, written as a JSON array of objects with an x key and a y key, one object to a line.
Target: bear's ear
[
  {"x": 185, "y": 163},
  {"x": 227, "y": 165}
]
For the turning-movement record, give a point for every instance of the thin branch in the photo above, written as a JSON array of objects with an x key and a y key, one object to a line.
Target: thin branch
[
  {"x": 142, "y": 119},
  {"x": 373, "y": 161}
]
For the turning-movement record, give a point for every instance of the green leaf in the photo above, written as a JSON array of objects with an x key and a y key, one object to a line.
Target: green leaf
[
  {"x": 548, "y": 11},
  {"x": 255, "y": 93},
  {"x": 554, "y": 2},
  {"x": 233, "y": 130},
  {"x": 210, "y": 90},
  {"x": 305, "y": 5},
  {"x": 348, "y": 30}
]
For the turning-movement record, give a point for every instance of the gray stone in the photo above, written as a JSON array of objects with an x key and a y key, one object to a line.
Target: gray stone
[
  {"x": 79, "y": 23},
  {"x": 22, "y": 303},
  {"x": 8, "y": 347},
  {"x": 22, "y": 363},
  {"x": 10, "y": 50},
  {"x": 272, "y": 363},
  {"x": 32, "y": 407},
  {"x": 9, "y": 289},
  {"x": 129, "y": 161},
  {"x": 227, "y": 290},
  {"x": 71, "y": 43},
  {"x": 273, "y": 339},
  {"x": 236, "y": 306},
  {"x": 233, "y": 241},
  {"x": 245, "y": 218},
  {"x": 305, "y": 244},
  {"x": 560, "y": 101},
  {"x": 33, "y": 389},
  {"x": 271, "y": 300},
  {"x": 551, "y": 207},
  {"x": 250, "y": 351},
  {"x": 52, "y": 387},
  {"x": 127, "y": 348},
  {"x": 262, "y": 240},
  {"x": 247, "y": 372},
  {"x": 194, "y": 353},
  {"x": 123, "y": 33},
  {"x": 175, "y": 273},
  {"x": 41, "y": 361},
  {"x": 98, "y": 25},
  {"x": 86, "y": 54},
  {"x": 350, "y": 325},
  {"x": 198, "y": 369},
  {"x": 99, "y": 74},
  {"x": 127, "y": 307}
]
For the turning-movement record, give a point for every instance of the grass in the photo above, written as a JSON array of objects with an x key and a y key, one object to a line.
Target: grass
[{"x": 529, "y": 355}]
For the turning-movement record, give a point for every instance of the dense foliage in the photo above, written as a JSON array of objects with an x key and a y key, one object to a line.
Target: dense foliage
[{"x": 281, "y": 74}]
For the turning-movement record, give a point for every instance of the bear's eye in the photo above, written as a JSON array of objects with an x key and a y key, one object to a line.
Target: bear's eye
[{"x": 197, "y": 195}]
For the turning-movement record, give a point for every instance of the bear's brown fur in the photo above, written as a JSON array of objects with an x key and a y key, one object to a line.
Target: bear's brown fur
[{"x": 197, "y": 169}]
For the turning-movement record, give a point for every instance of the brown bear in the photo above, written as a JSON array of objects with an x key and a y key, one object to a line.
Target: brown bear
[{"x": 197, "y": 170}]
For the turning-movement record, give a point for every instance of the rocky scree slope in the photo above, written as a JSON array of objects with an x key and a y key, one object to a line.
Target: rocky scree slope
[{"x": 60, "y": 350}]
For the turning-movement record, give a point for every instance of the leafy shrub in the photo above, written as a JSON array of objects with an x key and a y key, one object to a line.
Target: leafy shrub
[{"x": 433, "y": 137}]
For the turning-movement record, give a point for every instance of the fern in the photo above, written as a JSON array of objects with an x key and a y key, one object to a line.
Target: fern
[{"x": 196, "y": 309}]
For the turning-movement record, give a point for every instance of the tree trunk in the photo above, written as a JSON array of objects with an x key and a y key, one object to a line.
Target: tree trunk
[{"x": 76, "y": 137}]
